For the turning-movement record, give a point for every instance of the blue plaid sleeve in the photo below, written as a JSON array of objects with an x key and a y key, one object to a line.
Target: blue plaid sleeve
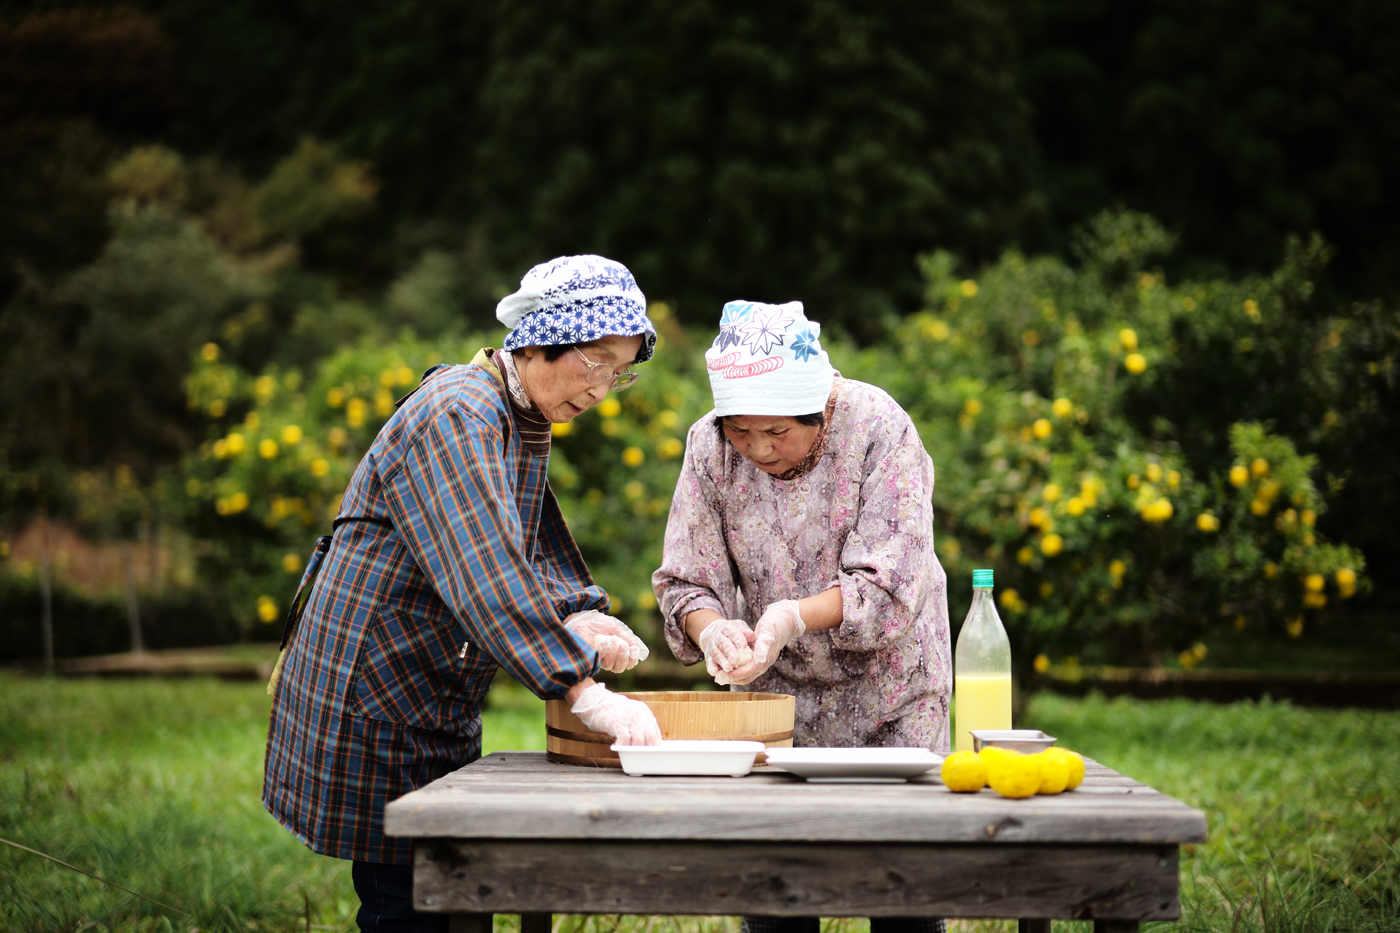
[
  {"x": 454, "y": 507},
  {"x": 560, "y": 566}
]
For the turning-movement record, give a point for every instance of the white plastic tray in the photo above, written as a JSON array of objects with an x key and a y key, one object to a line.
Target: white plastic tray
[
  {"x": 855, "y": 765},
  {"x": 693, "y": 757}
]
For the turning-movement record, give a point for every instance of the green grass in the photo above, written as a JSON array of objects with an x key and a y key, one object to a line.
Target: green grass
[
  {"x": 1303, "y": 805},
  {"x": 154, "y": 785}
]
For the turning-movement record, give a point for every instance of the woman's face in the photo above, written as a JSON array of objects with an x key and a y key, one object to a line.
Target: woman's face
[
  {"x": 775, "y": 443},
  {"x": 560, "y": 389}
]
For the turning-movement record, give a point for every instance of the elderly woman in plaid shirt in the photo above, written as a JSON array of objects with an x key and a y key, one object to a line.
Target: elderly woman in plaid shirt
[{"x": 449, "y": 558}]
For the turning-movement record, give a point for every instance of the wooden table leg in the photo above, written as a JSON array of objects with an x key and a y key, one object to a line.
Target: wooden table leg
[
  {"x": 536, "y": 923},
  {"x": 1115, "y": 926},
  {"x": 1032, "y": 926},
  {"x": 470, "y": 923}
]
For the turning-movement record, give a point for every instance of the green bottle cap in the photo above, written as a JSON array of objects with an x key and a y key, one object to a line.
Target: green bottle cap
[{"x": 981, "y": 578}]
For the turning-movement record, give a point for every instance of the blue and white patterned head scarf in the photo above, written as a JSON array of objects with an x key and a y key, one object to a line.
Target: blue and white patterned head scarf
[
  {"x": 576, "y": 299},
  {"x": 768, "y": 360}
]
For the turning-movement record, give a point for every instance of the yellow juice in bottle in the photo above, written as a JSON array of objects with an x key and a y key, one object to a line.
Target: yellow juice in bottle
[{"x": 980, "y": 701}]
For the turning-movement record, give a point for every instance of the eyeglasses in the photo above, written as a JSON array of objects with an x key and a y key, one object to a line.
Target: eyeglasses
[{"x": 602, "y": 374}]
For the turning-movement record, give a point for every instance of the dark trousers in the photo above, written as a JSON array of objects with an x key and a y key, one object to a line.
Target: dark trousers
[
  {"x": 813, "y": 925},
  {"x": 386, "y": 900}
]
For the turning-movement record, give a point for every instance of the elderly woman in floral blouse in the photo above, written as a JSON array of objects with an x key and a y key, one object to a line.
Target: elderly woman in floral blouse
[{"x": 799, "y": 549}]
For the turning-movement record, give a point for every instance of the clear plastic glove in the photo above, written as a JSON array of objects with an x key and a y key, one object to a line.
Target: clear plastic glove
[
  {"x": 618, "y": 647},
  {"x": 629, "y": 721},
  {"x": 779, "y": 624},
  {"x": 727, "y": 644}
]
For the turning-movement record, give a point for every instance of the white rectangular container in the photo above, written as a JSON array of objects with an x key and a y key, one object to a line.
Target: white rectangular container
[{"x": 689, "y": 757}]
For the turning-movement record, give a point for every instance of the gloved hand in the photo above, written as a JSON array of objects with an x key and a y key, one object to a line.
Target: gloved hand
[
  {"x": 779, "y": 624},
  {"x": 727, "y": 645},
  {"x": 618, "y": 647},
  {"x": 629, "y": 721}
]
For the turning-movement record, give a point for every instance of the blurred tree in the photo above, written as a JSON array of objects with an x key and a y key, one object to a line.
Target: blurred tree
[
  {"x": 803, "y": 150},
  {"x": 1315, "y": 372},
  {"x": 92, "y": 366},
  {"x": 1236, "y": 123},
  {"x": 71, "y": 83},
  {"x": 74, "y": 84},
  {"x": 792, "y": 150},
  {"x": 91, "y": 370},
  {"x": 796, "y": 150}
]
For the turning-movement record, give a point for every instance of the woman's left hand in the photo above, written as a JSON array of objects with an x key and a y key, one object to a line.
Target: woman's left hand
[
  {"x": 779, "y": 624},
  {"x": 618, "y": 647}
]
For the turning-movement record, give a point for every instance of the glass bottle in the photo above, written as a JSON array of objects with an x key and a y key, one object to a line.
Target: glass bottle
[{"x": 981, "y": 667}]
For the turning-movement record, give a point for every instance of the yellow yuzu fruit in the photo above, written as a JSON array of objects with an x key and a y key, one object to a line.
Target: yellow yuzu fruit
[
  {"x": 964, "y": 772},
  {"x": 992, "y": 753},
  {"x": 1054, "y": 770},
  {"x": 1076, "y": 769},
  {"x": 1014, "y": 775}
]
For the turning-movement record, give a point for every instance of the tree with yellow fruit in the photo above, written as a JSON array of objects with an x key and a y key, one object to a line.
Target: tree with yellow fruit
[
  {"x": 1116, "y": 536},
  {"x": 281, "y": 446}
]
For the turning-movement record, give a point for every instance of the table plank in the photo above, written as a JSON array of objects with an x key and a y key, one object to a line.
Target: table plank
[
  {"x": 520, "y": 795},
  {"x": 793, "y": 879}
]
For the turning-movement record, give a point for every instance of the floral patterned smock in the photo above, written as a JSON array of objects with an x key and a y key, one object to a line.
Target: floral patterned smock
[{"x": 858, "y": 514}]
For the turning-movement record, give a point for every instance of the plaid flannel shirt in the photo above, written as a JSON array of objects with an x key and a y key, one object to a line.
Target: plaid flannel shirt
[{"x": 469, "y": 567}]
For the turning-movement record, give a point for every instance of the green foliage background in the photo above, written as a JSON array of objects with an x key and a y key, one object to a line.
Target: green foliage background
[
  {"x": 205, "y": 312},
  {"x": 1044, "y": 391},
  {"x": 1048, "y": 396}
]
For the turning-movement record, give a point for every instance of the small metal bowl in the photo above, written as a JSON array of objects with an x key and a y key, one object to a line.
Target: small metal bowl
[{"x": 1029, "y": 741}]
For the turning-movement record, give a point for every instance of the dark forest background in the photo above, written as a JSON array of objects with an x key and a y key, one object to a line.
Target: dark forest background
[
  {"x": 806, "y": 149},
  {"x": 788, "y": 150}
]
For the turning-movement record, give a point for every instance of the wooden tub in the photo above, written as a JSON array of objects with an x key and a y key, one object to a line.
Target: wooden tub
[{"x": 682, "y": 714}]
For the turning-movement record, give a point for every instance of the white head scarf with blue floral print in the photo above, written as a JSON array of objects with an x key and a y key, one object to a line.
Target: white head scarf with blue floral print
[
  {"x": 767, "y": 360},
  {"x": 576, "y": 299}
]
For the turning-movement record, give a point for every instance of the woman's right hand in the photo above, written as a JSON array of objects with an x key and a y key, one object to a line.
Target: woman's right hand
[
  {"x": 629, "y": 721},
  {"x": 728, "y": 644}
]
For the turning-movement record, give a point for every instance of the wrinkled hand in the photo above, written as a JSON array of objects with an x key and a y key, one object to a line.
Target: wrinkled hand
[
  {"x": 779, "y": 624},
  {"x": 618, "y": 647},
  {"x": 629, "y": 721},
  {"x": 727, "y": 644}
]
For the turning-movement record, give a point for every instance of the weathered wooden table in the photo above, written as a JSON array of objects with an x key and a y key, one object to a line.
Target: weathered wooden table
[{"x": 513, "y": 833}]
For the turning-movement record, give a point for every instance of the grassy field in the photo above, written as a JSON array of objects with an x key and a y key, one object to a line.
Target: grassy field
[{"x": 154, "y": 785}]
